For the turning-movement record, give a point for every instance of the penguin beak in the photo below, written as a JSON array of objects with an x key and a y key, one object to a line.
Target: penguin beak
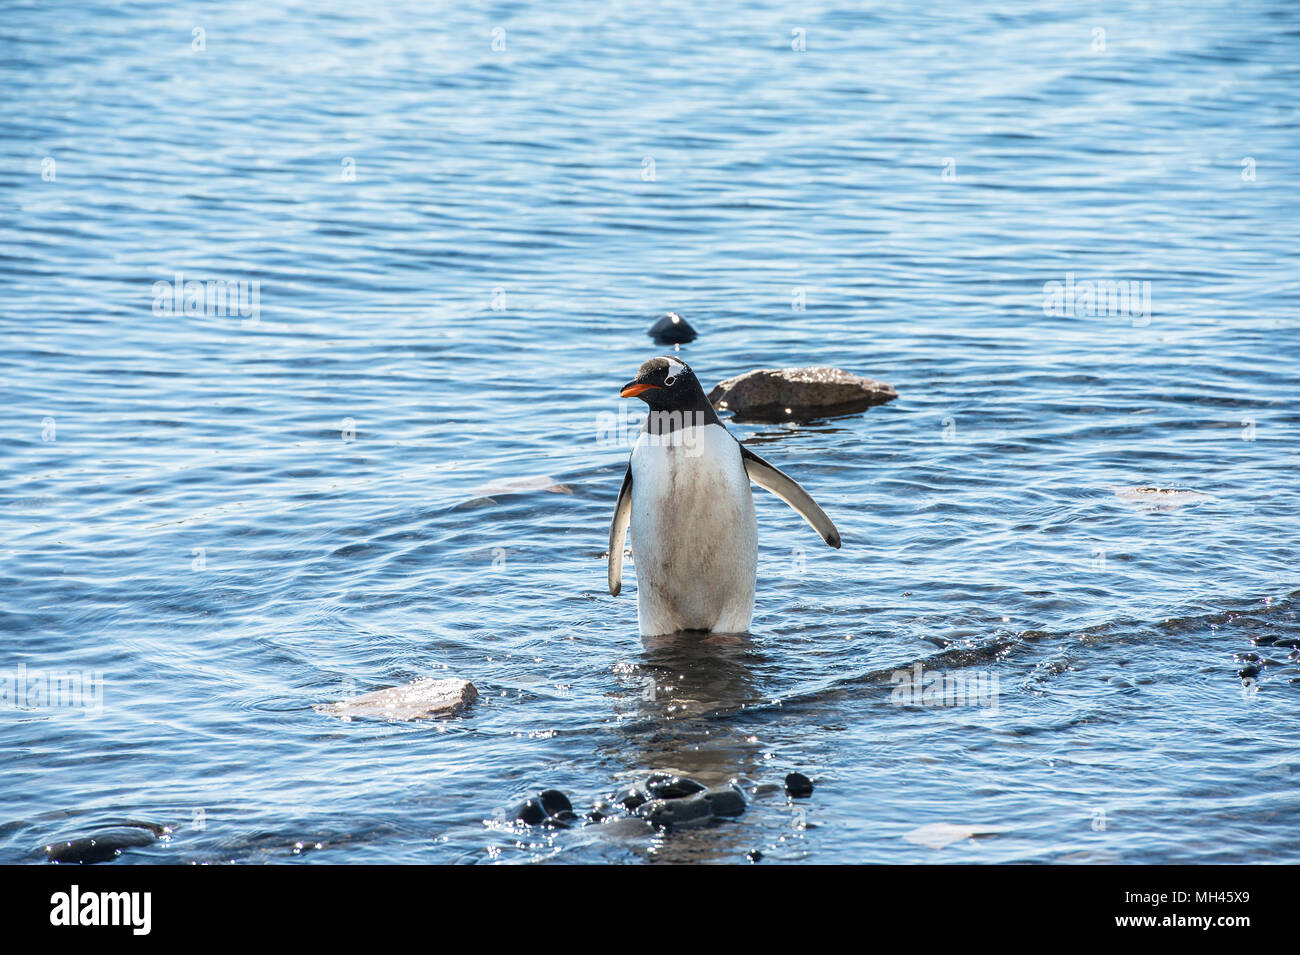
[{"x": 634, "y": 388}]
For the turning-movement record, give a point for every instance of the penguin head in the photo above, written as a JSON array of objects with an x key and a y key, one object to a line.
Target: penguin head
[{"x": 664, "y": 384}]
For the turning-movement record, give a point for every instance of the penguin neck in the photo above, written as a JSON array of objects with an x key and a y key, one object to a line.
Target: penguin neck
[{"x": 694, "y": 411}]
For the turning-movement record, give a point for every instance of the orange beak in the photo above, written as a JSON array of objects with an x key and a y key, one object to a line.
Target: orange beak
[{"x": 632, "y": 389}]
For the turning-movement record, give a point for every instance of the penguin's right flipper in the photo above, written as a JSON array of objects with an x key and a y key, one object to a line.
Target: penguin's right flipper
[
  {"x": 618, "y": 531},
  {"x": 771, "y": 478}
]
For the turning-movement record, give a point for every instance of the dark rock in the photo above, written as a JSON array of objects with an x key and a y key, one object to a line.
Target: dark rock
[
  {"x": 1247, "y": 672},
  {"x": 753, "y": 855},
  {"x": 798, "y": 785},
  {"x": 531, "y": 812},
  {"x": 672, "y": 329},
  {"x": 669, "y": 813},
  {"x": 696, "y": 808},
  {"x": 549, "y": 806},
  {"x": 103, "y": 846},
  {"x": 724, "y": 802},
  {"x": 798, "y": 394},
  {"x": 663, "y": 786},
  {"x": 554, "y": 801},
  {"x": 631, "y": 799}
]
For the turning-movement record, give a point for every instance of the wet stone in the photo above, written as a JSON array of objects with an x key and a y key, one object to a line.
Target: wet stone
[
  {"x": 530, "y": 812},
  {"x": 103, "y": 846},
  {"x": 423, "y": 699},
  {"x": 663, "y": 786},
  {"x": 554, "y": 801},
  {"x": 672, "y": 329},
  {"x": 697, "y": 808},
  {"x": 669, "y": 813},
  {"x": 724, "y": 802},
  {"x": 798, "y": 786},
  {"x": 631, "y": 799},
  {"x": 549, "y": 807},
  {"x": 798, "y": 394}
]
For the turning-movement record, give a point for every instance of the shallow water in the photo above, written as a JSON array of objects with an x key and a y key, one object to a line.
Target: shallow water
[{"x": 237, "y": 517}]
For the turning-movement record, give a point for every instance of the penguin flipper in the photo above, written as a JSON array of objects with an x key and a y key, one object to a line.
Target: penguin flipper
[
  {"x": 771, "y": 478},
  {"x": 618, "y": 531}
]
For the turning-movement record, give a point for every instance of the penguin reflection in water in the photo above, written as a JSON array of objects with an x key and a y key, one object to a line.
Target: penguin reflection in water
[{"x": 686, "y": 495}]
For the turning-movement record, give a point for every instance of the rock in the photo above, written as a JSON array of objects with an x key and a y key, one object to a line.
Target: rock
[
  {"x": 798, "y": 786},
  {"x": 530, "y": 812},
  {"x": 724, "y": 802},
  {"x": 103, "y": 846},
  {"x": 663, "y": 786},
  {"x": 798, "y": 394},
  {"x": 631, "y": 799},
  {"x": 754, "y": 855},
  {"x": 550, "y": 807},
  {"x": 416, "y": 701},
  {"x": 696, "y": 808},
  {"x": 670, "y": 813},
  {"x": 672, "y": 329},
  {"x": 554, "y": 801}
]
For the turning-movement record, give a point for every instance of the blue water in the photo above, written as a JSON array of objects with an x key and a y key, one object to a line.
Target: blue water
[{"x": 458, "y": 251}]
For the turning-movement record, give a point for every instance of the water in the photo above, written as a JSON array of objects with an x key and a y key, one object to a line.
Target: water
[{"x": 459, "y": 250}]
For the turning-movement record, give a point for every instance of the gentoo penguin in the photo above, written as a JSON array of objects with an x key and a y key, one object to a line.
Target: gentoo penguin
[{"x": 686, "y": 494}]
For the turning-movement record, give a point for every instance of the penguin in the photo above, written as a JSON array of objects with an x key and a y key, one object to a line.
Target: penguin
[{"x": 686, "y": 495}]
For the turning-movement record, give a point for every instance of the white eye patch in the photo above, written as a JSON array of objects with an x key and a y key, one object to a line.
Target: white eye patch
[{"x": 675, "y": 369}]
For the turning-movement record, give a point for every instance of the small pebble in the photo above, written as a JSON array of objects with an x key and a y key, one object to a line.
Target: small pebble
[{"x": 798, "y": 785}]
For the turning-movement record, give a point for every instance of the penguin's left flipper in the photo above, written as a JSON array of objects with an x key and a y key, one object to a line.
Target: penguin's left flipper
[
  {"x": 771, "y": 478},
  {"x": 618, "y": 531}
]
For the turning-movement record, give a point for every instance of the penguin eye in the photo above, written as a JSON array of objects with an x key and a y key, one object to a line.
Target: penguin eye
[{"x": 670, "y": 379}]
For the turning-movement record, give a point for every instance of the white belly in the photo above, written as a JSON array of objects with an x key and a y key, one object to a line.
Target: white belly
[{"x": 694, "y": 538}]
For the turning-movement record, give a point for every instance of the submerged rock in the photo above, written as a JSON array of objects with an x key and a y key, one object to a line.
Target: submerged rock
[
  {"x": 798, "y": 394},
  {"x": 937, "y": 835},
  {"x": 663, "y": 800},
  {"x": 104, "y": 846},
  {"x": 1162, "y": 498},
  {"x": 696, "y": 808},
  {"x": 664, "y": 786},
  {"x": 672, "y": 329},
  {"x": 416, "y": 701},
  {"x": 798, "y": 786}
]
